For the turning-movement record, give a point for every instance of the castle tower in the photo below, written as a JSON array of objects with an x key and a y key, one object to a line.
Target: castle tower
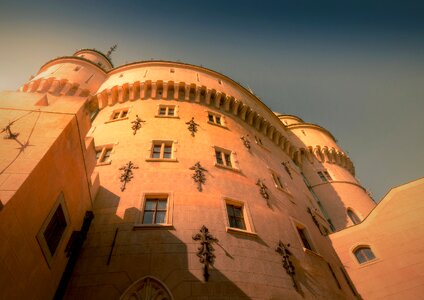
[{"x": 329, "y": 173}]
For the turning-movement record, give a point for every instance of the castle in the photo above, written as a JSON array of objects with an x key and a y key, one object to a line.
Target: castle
[{"x": 164, "y": 180}]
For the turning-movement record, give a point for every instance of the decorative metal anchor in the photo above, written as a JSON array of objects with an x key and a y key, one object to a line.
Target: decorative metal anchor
[
  {"x": 205, "y": 251},
  {"x": 9, "y": 133},
  {"x": 192, "y": 126},
  {"x": 127, "y": 174},
  {"x": 263, "y": 190},
  {"x": 286, "y": 167},
  {"x": 287, "y": 264},
  {"x": 246, "y": 142},
  {"x": 199, "y": 176},
  {"x": 136, "y": 124}
]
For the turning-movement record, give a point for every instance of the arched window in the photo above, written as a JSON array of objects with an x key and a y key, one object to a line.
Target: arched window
[
  {"x": 364, "y": 254},
  {"x": 147, "y": 288},
  {"x": 353, "y": 217}
]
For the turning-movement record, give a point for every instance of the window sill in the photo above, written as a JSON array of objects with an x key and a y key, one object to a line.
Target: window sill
[
  {"x": 219, "y": 125},
  {"x": 104, "y": 163},
  {"x": 367, "y": 263},
  {"x": 240, "y": 231},
  {"x": 228, "y": 168},
  {"x": 168, "y": 117},
  {"x": 312, "y": 252},
  {"x": 161, "y": 159},
  {"x": 116, "y": 120},
  {"x": 152, "y": 226}
]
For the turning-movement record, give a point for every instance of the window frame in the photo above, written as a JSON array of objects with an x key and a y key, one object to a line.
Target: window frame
[
  {"x": 250, "y": 230},
  {"x": 363, "y": 247},
  {"x": 222, "y": 123},
  {"x": 45, "y": 249},
  {"x": 103, "y": 150},
  {"x": 225, "y": 153},
  {"x": 164, "y": 144},
  {"x": 169, "y": 196},
  {"x": 120, "y": 112},
  {"x": 353, "y": 216},
  {"x": 300, "y": 226},
  {"x": 167, "y": 107},
  {"x": 278, "y": 183}
]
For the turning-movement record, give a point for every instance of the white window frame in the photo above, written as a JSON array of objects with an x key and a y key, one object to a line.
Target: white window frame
[
  {"x": 167, "y": 107},
  {"x": 250, "y": 229},
  {"x": 120, "y": 117},
  {"x": 222, "y": 124},
  {"x": 161, "y": 158},
  {"x": 169, "y": 209},
  {"x": 298, "y": 225},
  {"x": 233, "y": 159},
  {"x": 103, "y": 149},
  {"x": 40, "y": 235}
]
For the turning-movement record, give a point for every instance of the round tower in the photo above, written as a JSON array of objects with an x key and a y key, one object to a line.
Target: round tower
[
  {"x": 77, "y": 75},
  {"x": 329, "y": 173},
  {"x": 185, "y": 155}
]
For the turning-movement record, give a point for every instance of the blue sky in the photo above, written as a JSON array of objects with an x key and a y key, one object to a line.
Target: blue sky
[{"x": 354, "y": 67}]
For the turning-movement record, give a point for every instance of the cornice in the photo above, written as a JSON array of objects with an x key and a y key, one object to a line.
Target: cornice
[{"x": 78, "y": 58}]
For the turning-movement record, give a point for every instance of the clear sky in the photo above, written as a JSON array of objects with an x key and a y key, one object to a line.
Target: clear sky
[{"x": 353, "y": 67}]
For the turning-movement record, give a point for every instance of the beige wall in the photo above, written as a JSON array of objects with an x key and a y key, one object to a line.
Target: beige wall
[
  {"x": 394, "y": 231},
  {"x": 30, "y": 183}
]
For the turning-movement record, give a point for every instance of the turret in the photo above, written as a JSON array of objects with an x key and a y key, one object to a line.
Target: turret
[
  {"x": 329, "y": 173},
  {"x": 77, "y": 75}
]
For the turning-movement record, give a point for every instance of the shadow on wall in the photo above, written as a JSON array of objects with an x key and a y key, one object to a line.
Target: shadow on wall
[{"x": 117, "y": 260}]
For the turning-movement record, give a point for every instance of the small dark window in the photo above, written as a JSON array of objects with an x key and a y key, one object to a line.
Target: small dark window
[
  {"x": 353, "y": 217},
  {"x": 55, "y": 229},
  {"x": 162, "y": 111},
  {"x": 235, "y": 216},
  {"x": 116, "y": 115},
  {"x": 321, "y": 175},
  {"x": 364, "y": 254},
  {"x": 210, "y": 117},
  {"x": 171, "y": 111},
  {"x": 218, "y": 120},
  {"x": 218, "y": 155},
  {"x": 304, "y": 237},
  {"x": 327, "y": 175},
  {"x": 124, "y": 113}
]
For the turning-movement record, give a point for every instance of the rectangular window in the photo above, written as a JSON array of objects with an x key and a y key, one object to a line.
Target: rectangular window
[
  {"x": 235, "y": 216},
  {"x": 103, "y": 154},
  {"x": 54, "y": 231},
  {"x": 162, "y": 150},
  {"x": 54, "y": 228},
  {"x": 304, "y": 237},
  {"x": 327, "y": 176},
  {"x": 119, "y": 114},
  {"x": 223, "y": 158},
  {"x": 216, "y": 119},
  {"x": 321, "y": 175},
  {"x": 258, "y": 141},
  {"x": 167, "y": 111},
  {"x": 155, "y": 210},
  {"x": 277, "y": 181}
]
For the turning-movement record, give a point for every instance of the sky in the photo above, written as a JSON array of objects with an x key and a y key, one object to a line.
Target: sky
[{"x": 353, "y": 67}]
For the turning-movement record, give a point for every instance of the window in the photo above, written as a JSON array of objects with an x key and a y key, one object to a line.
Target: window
[
  {"x": 277, "y": 181},
  {"x": 223, "y": 158},
  {"x": 215, "y": 119},
  {"x": 235, "y": 216},
  {"x": 304, "y": 237},
  {"x": 364, "y": 254},
  {"x": 258, "y": 141},
  {"x": 103, "y": 154},
  {"x": 324, "y": 175},
  {"x": 53, "y": 229},
  {"x": 119, "y": 114},
  {"x": 162, "y": 151},
  {"x": 166, "y": 111},
  {"x": 353, "y": 217},
  {"x": 155, "y": 211}
]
